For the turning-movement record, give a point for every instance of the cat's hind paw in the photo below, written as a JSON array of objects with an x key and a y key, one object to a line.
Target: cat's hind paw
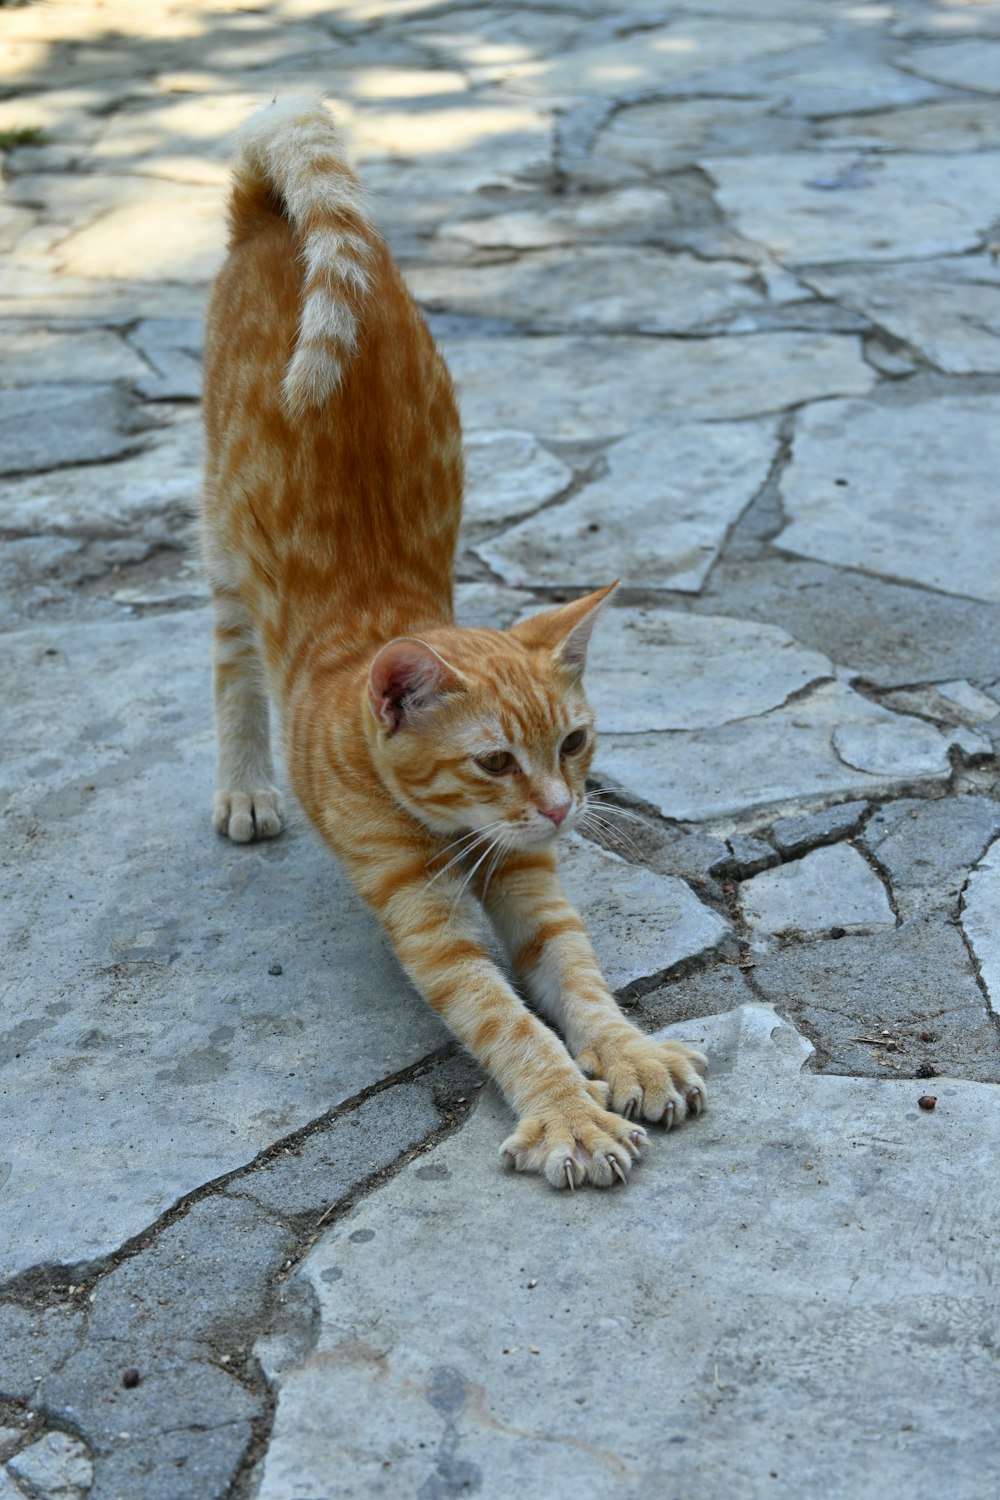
[
  {"x": 245, "y": 816},
  {"x": 575, "y": 1142},
  {"x": 657, "y": 1081}
]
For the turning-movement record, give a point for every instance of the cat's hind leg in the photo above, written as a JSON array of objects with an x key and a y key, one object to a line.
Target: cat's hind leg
[{"x": 247, "y": 802}]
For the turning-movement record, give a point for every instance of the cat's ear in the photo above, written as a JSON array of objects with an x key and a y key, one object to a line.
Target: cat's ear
[
  {"x": 406, "y": 678},
  {"x": 566, "y": 631}
]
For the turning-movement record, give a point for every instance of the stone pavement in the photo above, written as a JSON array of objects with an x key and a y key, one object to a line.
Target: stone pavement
[{"x": 718, "y": 283}]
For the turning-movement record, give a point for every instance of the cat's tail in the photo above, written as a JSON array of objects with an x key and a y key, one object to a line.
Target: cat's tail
[{"x": 291, "y": 162}]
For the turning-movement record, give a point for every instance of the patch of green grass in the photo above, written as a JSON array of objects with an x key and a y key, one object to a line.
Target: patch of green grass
[{"x": 22, "y": 135}]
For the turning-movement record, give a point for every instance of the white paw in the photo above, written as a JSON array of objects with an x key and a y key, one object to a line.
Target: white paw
[{"x": 246, "y": 816}]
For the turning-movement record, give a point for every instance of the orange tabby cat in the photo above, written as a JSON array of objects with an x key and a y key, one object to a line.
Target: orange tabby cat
[{"x": 432, "y": 758}]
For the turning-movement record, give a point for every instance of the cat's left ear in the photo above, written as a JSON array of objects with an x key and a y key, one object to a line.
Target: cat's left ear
[
  {"x": 566, "y": 631},
  {"x": 406, "y": 678}
]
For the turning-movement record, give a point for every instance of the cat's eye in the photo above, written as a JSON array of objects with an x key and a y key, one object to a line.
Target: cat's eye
[
  {"x": 497, "y": 762},
  {"x": 573, "y": 742}
]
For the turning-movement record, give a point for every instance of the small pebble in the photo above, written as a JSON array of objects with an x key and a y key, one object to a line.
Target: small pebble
[
  {"x": 275, "y": 969},
  {"x": 131, "y": 1378},
  {"x": 928, "y": 1036},
  {"x": 927, "y": 1101}
]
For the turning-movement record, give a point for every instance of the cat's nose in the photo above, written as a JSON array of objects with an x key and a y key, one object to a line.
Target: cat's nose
[{"x": 555, "y": 813}]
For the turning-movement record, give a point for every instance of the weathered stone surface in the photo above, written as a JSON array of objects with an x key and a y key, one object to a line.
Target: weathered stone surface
[
  {"x": 945, "y": 308},
  {"x": 657, "y": 519},
  {"x": 896, "y": 461},
  {"x": 58, "y": 1467},
  {"x": 810, "y": 207},
  {"x": 509, "y": 474},
  {"x": 641, "y": 923},
  {"x": 661, "y": 669},
  {"x": 490, "y": 604},
  {"x": 641, "y": 64},
  {"x": 928, "y": 848},
  {"x": 880, "y": 747},
  {"x": 595, "y": 288},
  {"x": 871, "y": 1000},
  {"x": 981, "y": 921},
  {"x": 139, "y": 240},
  {"x": 143, "y": 495},
  {"x": 90, "y": 356},
  {"x": 785, "y": 756},
  {"x": 173, "y": 347},
  {"x": 465, "y": 148},
  {"x": 966, "y": 64},
  {"x": 828, "y": 888},
  {"x": 595, "y": 388},
  {"x": 843, "y": 87},
  {"x": 43, "y": 426},
  {"x": 671, "y": 134},
  {"x": 888, "y": 632},
  {"x": 795, "y": 835},
  {"x": 954, "y": 125},
  {"x": 839, "y": 1171},
  {"x": 629, "y": 211},
  {"x": 94, "y": 1068}
]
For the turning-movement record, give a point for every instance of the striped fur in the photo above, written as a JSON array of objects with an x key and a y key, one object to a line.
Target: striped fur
[{"x": 440, "y": 763}]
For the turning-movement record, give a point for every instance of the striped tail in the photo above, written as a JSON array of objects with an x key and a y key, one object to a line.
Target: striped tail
[{"x": 291, "y": 162}]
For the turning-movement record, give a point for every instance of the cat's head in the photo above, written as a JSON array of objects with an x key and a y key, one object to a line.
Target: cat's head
[{"x": 489, "y": 731}]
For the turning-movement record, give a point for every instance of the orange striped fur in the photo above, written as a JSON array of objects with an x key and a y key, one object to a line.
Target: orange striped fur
[{"x": 440, "y": 763}]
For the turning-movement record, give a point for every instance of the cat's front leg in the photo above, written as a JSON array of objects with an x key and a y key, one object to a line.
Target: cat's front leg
[
  {"x": 565, "y": 1130},
  {"x": 552, "y": 955}
]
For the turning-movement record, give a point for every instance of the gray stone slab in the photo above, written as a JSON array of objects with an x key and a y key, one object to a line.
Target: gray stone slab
[
  {"x": 88, "y": 356},
  {"x": 509, "y": 474},
  {"x": 653, "y": 59},
  {"x": 44, "y": 426},
  {"x": 595, "y": 388},
  {"x": 146, "y": 495},
  {"x": 888, "y": 632},
  {"x": 173, "y": 348},
  {"x": 795, "y": 835},
  {"x": 143, "y": 1033},
  {"x": 948, "y": 309},
  {"x": 782, "y": 760},
  {"x": 828, "y": 888},
  {"x": 641, "y": 923},
  {"x": 490, "y": 604},
  {"x": 888, "y": 517},
  {"x": 928, "y": 848},
  {"x": 470, "y": 146},
  {"x": 967, "y": 63},
  {"x": 810, "y": 207},
  {"x": 847, "y": 85},
  {"x": 652, "y": 669},
  {"x": 676, "y": 133},
  {"x": 58, "y": 1467},
  {"x": 657, "y": 519},
  {"x": 799, "y": 1318},
  {"x": 595, "y": 288},
  {"x": 905, "y": 1002},
  {"x": 139, "y": 240},
  {"x": 981, "y": 921},
  {"x": 625, "y": 212},
  {"x": 954, "y": 125}
]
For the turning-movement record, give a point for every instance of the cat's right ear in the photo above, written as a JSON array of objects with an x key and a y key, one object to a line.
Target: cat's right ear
[{"x": 406, "y": 678}]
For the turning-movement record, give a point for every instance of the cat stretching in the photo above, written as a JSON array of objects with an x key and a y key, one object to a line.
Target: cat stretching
[{"x": 435, "y": 760}]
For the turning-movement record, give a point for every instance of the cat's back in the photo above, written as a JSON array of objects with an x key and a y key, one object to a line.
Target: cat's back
[{"x": 333, "y": 464}]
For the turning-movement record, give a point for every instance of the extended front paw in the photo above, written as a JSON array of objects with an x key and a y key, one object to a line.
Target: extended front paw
[
  {"x": 575, "y": 1139},
  {"x": 248, "y": 815},
  {"x": 648, "y": 1080}
]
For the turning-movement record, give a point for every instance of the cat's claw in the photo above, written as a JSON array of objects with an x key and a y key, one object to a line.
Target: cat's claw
[
  {"x": 573, "y": 1141},
  {"x": 649, "y": 1080}
]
